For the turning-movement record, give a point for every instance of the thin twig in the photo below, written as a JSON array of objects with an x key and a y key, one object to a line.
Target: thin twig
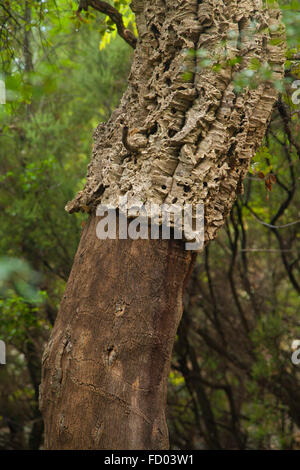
[{"x": 113, "y": 14}]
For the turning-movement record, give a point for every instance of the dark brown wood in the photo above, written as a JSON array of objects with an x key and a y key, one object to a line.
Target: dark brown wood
[{"x": 106, "y": 366}]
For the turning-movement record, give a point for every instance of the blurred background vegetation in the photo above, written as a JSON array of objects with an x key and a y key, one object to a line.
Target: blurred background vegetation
[{"x": 232, "y": 383}]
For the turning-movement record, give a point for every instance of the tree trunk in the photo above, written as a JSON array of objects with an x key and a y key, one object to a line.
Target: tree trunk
[
  {"x": 182, "y": 134},
  {"x": 106, "y": 367}
]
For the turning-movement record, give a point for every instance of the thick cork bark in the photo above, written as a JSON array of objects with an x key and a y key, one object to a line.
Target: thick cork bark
[{"x": 106, "y": 367}]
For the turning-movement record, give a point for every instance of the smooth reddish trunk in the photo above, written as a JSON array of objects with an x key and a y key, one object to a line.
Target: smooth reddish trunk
[{"x": 106, "y": 366}]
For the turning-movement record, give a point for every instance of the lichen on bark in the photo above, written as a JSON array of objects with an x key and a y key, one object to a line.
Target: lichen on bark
[{"x": 188, "y": 138}]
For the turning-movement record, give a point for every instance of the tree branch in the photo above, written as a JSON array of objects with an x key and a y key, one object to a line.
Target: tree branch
[{"x": 113, "y": 14}]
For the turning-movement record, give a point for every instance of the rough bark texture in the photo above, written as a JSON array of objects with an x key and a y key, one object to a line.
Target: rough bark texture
[
  {"x": 173, "y": 140},
  {"x": 106, "y": 366}
]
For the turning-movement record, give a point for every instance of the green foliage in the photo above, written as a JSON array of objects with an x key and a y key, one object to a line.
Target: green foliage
[
  {"x": 18, "y": 317},
  {"x": 17, "y": 276}
]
